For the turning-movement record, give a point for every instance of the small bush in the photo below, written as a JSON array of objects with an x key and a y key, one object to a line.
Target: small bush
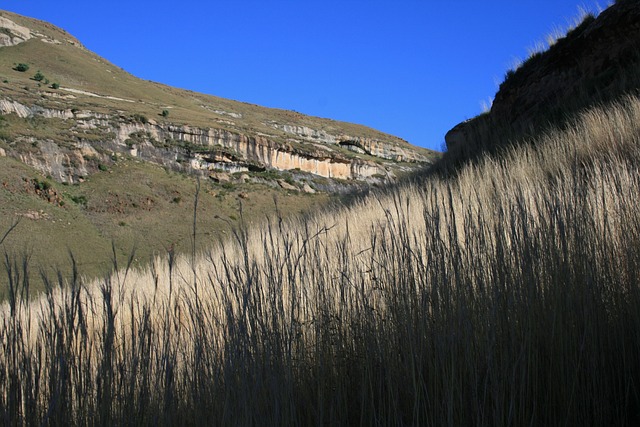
[
  {"x": 42, "y": 185},
  {"x": 55, "y": 86},
  {"x": 103, "y": 167},
  {"x": 165, "y": 113},
  {"x": 140, "y": 118},
  {"x": 21, "y": 67},
  {"x": 80, "y": 200},
  {"x": 38, "y": 76}
]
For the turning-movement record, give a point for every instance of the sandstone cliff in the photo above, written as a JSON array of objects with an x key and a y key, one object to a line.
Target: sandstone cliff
[{"x": 95, "y": 111}]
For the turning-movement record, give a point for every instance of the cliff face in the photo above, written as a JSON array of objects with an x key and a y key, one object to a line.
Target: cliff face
[
  {"x": 96, "y": 111},
  {"x": 179, "y": 147},
  {"x": 595, "y": 62}
]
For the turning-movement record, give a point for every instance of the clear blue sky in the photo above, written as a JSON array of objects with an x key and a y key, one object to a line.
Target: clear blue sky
[{"x": 410, "y": 68}]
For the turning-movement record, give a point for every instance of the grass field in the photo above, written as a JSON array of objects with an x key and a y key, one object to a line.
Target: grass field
[
  {"x": 507, "y": 295},
  {"x": 131, "y": 205}
]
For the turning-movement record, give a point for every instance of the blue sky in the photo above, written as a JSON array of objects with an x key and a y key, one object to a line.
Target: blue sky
[{"x": 409, "y": 68}]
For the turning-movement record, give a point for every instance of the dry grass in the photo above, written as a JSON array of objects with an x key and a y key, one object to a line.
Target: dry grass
[{"x": 507, "y": 295}]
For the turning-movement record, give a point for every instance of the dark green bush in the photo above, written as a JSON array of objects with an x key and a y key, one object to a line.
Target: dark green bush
[
  {"x": 21, "y": 67},
  {"x": 42, "y": 185}
]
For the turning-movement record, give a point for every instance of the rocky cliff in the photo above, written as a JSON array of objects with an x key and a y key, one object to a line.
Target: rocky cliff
[
  {"x": 179, "y": 147},
  {"x": 95, "y": 111}
]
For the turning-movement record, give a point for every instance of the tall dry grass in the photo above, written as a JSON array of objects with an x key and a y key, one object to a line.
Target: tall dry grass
[{"x": 507, "y": 295}]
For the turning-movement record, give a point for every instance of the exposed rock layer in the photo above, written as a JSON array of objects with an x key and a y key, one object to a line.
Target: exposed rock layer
[
  {"x": 95, "y": 105},
  {"x": 178, "y": 147},
  {"x": 11, "y": 33}
]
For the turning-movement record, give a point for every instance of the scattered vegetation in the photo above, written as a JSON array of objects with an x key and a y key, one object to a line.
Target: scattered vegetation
[{"x": 165, "y": 113}]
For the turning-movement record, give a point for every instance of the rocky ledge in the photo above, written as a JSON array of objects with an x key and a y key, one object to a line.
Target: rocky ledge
[{"x": 192, "y": 149}]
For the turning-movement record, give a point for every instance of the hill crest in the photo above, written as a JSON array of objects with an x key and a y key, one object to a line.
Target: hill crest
[{"x": 596, "y": 62}]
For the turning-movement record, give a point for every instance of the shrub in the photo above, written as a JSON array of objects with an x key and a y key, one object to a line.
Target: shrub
[
  {"x": 140, "y": 118},
  {"x": 55, "y": 86},
  {"x": 21, "y": 67},
  {"x": 42, "y": 185},
  {"x": 80, "y": 200},
  {"x": 38, "y": 76},
  {"x": 165, "y": 113}
]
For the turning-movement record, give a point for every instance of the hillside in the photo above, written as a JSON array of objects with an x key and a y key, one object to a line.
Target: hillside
[
  {"x": 91, "y": 155},
  {"x": 505, "y": 292},
  {"x": 596, "y": 62},
  {"x": 104, "y": 106}
]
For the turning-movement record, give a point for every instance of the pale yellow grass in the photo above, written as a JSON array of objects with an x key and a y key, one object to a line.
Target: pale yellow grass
[
  {"x": 297, "y": 251},
  {"x": 426, "y": 267}
]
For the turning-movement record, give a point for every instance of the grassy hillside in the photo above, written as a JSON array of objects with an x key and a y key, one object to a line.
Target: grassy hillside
[
  {"x": 132, "y": 205},
  {"x": 75, "y": 68}
]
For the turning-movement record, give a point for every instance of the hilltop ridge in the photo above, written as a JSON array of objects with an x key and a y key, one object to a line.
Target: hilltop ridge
[{"x": 596, "y": 62}]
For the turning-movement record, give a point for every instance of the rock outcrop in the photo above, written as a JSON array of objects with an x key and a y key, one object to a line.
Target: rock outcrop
[
  {"x": 178, "y": 147},
  {"x": 356, "y": 144},
  {"x": 11, "y": 33},
  {"x": 95, "y": 105}
]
